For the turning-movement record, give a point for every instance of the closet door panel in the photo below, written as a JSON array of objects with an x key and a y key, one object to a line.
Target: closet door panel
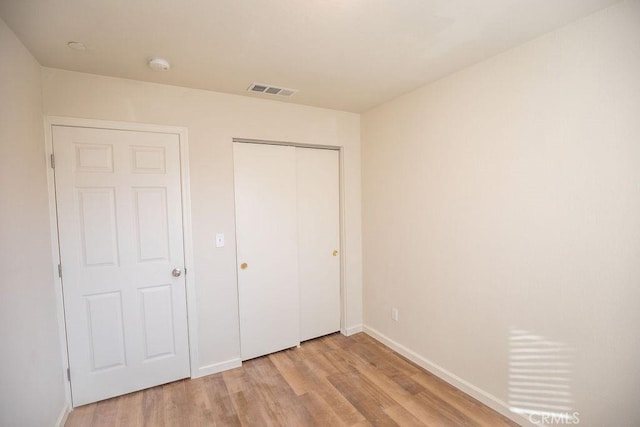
[
  {"x": 267, "y": 248},
  {"x": 318, "y": 203}
]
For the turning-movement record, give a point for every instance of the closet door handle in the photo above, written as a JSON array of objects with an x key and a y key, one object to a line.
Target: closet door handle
[{"x": 244, "y": 266}]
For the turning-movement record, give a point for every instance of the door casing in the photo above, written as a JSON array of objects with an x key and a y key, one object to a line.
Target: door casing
[{"x": 186, "y": 224}]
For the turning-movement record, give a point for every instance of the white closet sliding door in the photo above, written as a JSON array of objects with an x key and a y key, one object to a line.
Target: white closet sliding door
[
  {"x": 288, "y": 234},
  {"x": 267, "y": 248},
  {"x": 318, "y": 200}
]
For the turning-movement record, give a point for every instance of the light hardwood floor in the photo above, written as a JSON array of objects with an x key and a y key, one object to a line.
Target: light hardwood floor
[{"x": 330, "y": 381}]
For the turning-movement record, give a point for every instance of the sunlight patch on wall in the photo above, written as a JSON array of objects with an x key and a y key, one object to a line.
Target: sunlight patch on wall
[{"x": 540, "y": 377}]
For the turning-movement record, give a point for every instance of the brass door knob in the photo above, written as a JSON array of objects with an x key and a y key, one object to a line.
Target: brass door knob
[
  {"x": 243, "y": 266},
  {"x": 335, "y": 253}
]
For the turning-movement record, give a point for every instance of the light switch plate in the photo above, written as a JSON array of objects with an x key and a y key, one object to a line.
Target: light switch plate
[{"x": 219, "y": 240}]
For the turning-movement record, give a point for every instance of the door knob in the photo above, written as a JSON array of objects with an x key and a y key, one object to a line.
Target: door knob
[
  {"x": 176, "y": 272},
  {"x": 243, "y": 266},
  {"x": 335, "y": 253}
]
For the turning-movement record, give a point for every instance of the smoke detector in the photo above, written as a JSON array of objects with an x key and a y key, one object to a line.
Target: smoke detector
[
  {"x": 271, "y": 90},
  {"x": 159, "y": 64}
]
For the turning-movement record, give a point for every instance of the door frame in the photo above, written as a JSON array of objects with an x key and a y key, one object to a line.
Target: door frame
[
  {"x": 181, "y": 132},
  {"x": 342, "y": 249}
]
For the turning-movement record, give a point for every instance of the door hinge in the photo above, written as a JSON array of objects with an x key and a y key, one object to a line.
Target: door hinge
[
  {"x": 60, "y": 271},
  {"x": 53, "y": 162},
  {"x": 69, "y": 374},
  {"x": 185, "y": 271}
]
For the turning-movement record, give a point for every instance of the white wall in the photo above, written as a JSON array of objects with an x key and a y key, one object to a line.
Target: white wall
[
  {"x": 213, "y": 119},
  {"x": 31, "y": 370},
  {"x": 508, "y": 196}
]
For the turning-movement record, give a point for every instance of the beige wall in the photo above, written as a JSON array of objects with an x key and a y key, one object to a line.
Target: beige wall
[
  {"x": 508, "y": 196},
  {"x": 31, "y": 370},
  {"x": 213, "y": 119}
]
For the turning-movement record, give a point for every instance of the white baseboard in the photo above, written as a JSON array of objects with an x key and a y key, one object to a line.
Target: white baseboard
[
  {"x": 214, "y": 368},
  {"x": 64, "y": 414},
  {"x": 488, "y": 399},
  {"x": 353, "y": 330}
]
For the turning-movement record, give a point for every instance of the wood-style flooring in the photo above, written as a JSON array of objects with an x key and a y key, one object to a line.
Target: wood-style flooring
[{"x": 330, "y": 381}]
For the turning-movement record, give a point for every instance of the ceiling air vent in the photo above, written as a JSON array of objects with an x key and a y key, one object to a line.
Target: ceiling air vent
[{"x": 271, "y": 90}]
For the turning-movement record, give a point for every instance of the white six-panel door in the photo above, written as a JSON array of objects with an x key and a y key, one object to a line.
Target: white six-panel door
[
  {"x": 120, "y": 232},
  {"x": 287, "y": 229}
]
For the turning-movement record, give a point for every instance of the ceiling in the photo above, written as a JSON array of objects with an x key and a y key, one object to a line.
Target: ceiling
[{"x": 342, "y": 54}]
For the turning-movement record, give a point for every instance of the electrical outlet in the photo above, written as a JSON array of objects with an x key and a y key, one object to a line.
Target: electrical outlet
[{"x": 394, "y": 314}]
